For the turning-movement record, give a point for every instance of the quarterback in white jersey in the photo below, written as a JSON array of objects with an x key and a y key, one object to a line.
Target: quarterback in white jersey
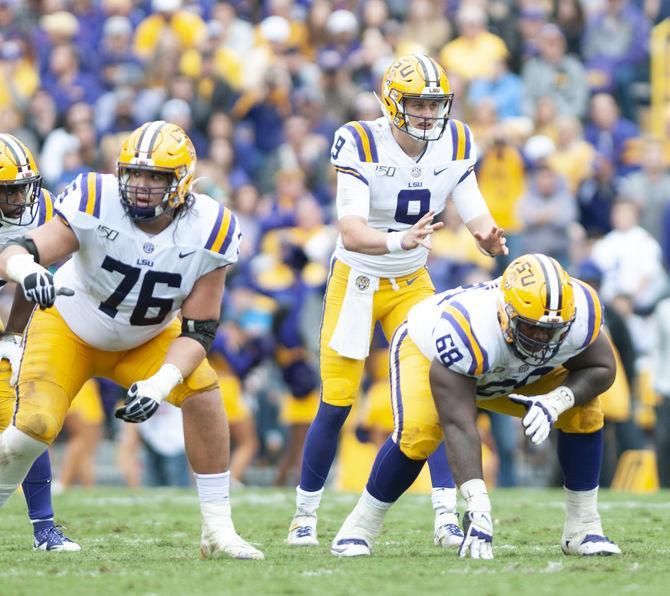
[
  {"x": 528, "y": 345},
  {"x": 144, "y": 247},
  {"x": 393, "y": 175},
  {"x": 24, "y": 205}
]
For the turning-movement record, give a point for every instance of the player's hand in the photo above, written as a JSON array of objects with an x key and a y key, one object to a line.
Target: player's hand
[
  {"x": 11, "y": 349},
  {"x": 145, "y": 396},
  {"x": 478, "y": 540},
  {"x": 419, "y": 233},
  {"x": 494, "y": 243},
  {"x": 543, "y": 411},
  {"x": 39, "y": 287},
  {"x": 141, "y": 403}
]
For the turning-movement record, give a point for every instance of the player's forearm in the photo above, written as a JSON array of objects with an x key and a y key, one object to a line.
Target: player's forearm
[
  {"x": 481, "y": 224},
  {"x": 186, "y": 354},
  {"x": 464, "y": 449},
  {"x": 364, "y": 239}
]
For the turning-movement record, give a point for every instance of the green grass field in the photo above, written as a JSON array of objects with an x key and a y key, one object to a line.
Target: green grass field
[{"x": 146, "y": 542}]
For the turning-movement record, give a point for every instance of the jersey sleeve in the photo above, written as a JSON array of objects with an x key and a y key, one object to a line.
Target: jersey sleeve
[
  {"x": 79, "y": 204},
  {"x": 353, "y": 149},
  {"x": 456, "y": 345},
  {"x": 589, "y": 319},
  {"x": 45, "y": 210},
  {"x": 225, "y": 235}
]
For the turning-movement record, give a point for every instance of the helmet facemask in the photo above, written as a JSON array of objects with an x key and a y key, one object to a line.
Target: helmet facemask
[
  {"x": 160, "y": 200},
  {"x": 531, "y": 350},
  {"x": 404, "y": 117},
  {"x": 20, "y": 213}
]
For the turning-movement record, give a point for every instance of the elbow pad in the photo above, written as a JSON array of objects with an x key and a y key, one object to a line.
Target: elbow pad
[
  {"x": 201, "y": 331},
  {"x": 28, "y": 244}
]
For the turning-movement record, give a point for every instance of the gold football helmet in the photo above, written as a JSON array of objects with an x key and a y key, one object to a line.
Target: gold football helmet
[
  {"x": 538, "y": 307},
  {"x": 162, "y": 148},
  {"x": 20, "y": 182},
  {"x": 416, "y": 77}
]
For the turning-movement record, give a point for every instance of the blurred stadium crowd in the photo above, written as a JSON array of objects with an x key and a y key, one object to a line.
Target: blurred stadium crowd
[{"x": 556, "y": 93}]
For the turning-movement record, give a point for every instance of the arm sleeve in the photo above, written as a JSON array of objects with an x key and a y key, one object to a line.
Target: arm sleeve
[
  {"x": 353, "y": 196},
  {"x": 469, "y": 201},
  {"x": 467, "y": 197}
]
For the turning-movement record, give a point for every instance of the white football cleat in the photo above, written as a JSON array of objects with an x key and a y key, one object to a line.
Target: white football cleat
[
  {"x": 215, "y": 543},
  {"x": 447, "y": 533},
  {"x": 302, "y": 531},
  {"x": 351, "y": 547},
  {"x": 590, "y": 545}
]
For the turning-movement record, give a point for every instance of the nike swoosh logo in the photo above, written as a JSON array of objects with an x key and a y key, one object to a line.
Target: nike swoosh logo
[
  {"x": 185, "y": 254},
  {"x": 411, "y": 281},
  {"x": 438, "y": 172}
]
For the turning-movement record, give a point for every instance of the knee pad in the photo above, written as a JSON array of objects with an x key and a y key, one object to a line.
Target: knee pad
[
  {"x": 583, "y": 419},
  {"x": 338, "y": 392},
  {"x": 419, "y": 442},
  {"x": 42, "y": 426}
]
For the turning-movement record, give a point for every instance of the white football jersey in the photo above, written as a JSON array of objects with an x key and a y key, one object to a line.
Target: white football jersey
[
  {"x": 460, "y": 329},
  {"x": 128, "y": 284},
  {"x": 402, "y": 190},
  {"x": 45, "y": 212}
]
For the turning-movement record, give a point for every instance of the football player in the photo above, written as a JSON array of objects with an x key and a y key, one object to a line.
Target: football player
[
  {"x": 528, "y": 344},
  {"x": 393, "y": 175},
  {"x": 24, "y": 205},
  {"x": 144, "y": 247}
]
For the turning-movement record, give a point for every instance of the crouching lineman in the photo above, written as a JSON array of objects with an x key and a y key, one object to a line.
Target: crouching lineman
[
  {"x": 529, "y": 345},
  {"x": 24, "y": 204},
  {"x": 144, "y": 247}
]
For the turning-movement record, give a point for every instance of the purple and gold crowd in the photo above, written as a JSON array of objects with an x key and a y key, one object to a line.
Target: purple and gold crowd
[{"x": 556, "y": 94}]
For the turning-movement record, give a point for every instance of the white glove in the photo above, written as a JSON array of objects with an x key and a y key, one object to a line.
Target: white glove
[
  {"x": 144, "y": 397},
  {"x": 478, "y": 540},
  {"x": 543, "y": 411},
  {"x": 11, "y": 349},
  {"x": 477, "y": 523}
]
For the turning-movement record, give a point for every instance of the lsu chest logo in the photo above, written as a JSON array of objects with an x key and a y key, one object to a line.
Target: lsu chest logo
[{"x": 387, "y": 171}]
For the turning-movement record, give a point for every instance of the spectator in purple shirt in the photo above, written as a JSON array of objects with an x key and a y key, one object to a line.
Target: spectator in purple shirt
[
  {"x": 615, "y": 48},
  {"x": 66, "y": 82}
]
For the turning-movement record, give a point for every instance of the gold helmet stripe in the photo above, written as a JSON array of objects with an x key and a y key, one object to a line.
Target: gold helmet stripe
[
  {"x": 19, "y": 154},
  {"x": 554, "y": 301},
  {"x": 148, "y": 137}
]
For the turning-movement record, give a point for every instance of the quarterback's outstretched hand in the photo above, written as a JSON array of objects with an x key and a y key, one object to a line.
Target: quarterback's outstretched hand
[
  {"x": 478, "y": 540},
  {"x": 543, "y": 411},
  {"x": 419, "y": 233},
  {"x": 494, "y": 243},
  {"x": 144, "y": 397},
  {"x": 11, "y": 349}
]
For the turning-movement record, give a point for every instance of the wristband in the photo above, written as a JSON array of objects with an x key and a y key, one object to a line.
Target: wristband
[
  {"x": 394, "y": 241},
  {"x": 19, "y": 266},
  {"x": 167, "y": 378},
  {"x": 475, "y": 495}
]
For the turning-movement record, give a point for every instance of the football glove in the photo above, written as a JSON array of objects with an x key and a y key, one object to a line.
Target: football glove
[
  {"x": 478, "y": 540},
  {"x": 144, "y": 397},
  {"x": 11, "y": 349},
  {"x": 543, "y": 411},
  {"x": 36, "y": 281}
]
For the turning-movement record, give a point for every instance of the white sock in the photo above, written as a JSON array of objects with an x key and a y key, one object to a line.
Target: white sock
[
  {"x": 214, "y": 496},
  {"x": 17, "y": 453},
  {"x": 366, "y": 518},
  {"x": 444, "y": 500},
  {"x": 213, "y": 487},
  {"x": 581, "y": 513},
  {"x": 307, "y": 503}
]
